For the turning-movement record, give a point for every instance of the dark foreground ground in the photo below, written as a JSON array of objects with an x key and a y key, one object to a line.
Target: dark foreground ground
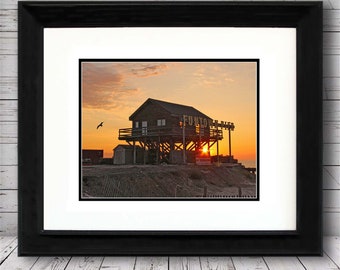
[{"x": 150, "y": 181}]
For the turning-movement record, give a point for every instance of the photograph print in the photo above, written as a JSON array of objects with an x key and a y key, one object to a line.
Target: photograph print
[{"x": 169, "y": 129}]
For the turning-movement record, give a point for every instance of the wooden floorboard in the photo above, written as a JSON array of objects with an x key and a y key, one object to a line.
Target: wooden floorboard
[
  {"x": 88, "y": 263},
  {"x": 284, "y": 263},
  {"x": 5, "y": 241},
  {"x": 184, "y": 263},
  {"x": 11, "y": 261},
  {"x": 317, "y": 263},
  {"x": 331, "y": 247},
  {"x": 7, "y": 245},
  {"x": 222, "y": 263},
  {"x": 152, "y": 263},
  {"x": 115, "y": 263},
  {"x": 51, "y": 263},
  {"x": 246, "y": 263}
]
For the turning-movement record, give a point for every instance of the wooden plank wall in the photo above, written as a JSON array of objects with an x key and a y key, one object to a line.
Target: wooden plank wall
[{"x": 9, "y": 109}]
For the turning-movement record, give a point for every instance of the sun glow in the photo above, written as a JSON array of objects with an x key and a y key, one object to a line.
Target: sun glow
[
  {"x": 112, "y": 91},
  {"x": 205, "y": 150}
]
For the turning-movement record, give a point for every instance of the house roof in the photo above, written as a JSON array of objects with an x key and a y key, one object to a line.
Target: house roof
[
  {"x": 126, "y": 146},
  {"x": 172, "y": 108}
]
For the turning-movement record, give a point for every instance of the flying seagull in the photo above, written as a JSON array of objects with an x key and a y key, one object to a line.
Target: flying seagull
[{"x": 100, "y": 125}]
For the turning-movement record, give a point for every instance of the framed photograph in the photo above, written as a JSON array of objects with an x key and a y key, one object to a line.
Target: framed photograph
[
  {"x": 170, "y": 128},
  {"x": 193, "y": 153}
]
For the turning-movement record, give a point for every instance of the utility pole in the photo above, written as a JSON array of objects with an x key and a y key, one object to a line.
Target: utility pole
[
  {"x": 230, "y": 128},
  {"x": 183, "y": 134},
  {"x": 218, "y": 151},
  {"x": 229, "y": 131},
  {"x": 134, "y": 152}
]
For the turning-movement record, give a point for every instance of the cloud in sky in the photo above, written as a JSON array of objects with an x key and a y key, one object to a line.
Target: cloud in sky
[
  {"x": 106, "y": 85},
  {"x": 147, "y": 70},
  {"x": 212, "y": 75},
  {"x": 112, "y": 91}
]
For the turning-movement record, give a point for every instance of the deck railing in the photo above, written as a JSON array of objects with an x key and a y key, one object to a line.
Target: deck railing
[
  {"x": 144, "y": 132},
  {"x": 131, "y": 133}
]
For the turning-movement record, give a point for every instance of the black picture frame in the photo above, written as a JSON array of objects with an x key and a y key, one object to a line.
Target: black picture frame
[{"x": 306, "y": 17}]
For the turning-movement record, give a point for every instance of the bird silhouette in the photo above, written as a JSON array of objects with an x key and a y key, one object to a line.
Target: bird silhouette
[{"x": 100, "y": 125}]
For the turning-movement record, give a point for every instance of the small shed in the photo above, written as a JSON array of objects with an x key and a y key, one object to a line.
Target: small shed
[
  {"x": 123, "y": 154},
  {"x": 92, "y": 156}
]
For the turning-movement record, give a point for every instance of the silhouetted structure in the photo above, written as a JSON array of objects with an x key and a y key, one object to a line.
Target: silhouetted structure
[
  {"x": 92, "y": 156},
  {"x": 170, "y": 132}
]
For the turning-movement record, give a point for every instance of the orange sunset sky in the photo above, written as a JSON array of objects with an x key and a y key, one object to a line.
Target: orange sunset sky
[{"x": 225, "y": 91}]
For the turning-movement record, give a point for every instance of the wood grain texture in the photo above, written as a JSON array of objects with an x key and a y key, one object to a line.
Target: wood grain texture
[
  {"x": 8, "y": 154},
  {"x": 8, "y": 132},
  {"x": 8, "y": 201},
  {"x": 331, "y": 43},
  {"x": 8, "y": 177},
  {"x": 9, "y": 43},
  {"x": 9, "y": 4},
  {"x": 331, "y": 66},
  {"x": 335, "y": 4},
  {"x": 5, "y": 241},
  {"x": 221, "y": 263},
  {"x": 331, "y": 111},
  {"x": 184, "y": 263},
  {"x": 283, "y": 263},
  {"x": 331, "y": 154},
  {"x": 9, "y": 20},
  {"x": 331, "y": 132},
  {"x": 201, "y": 263},
  {"x": 8, "y": 223},
  {"x": 51, "y": 263},
  {"x": 248, "y": 263},
  {"x": 7, "y": 245},
  {"x": 331, "y": 20},
  {"x": 331, "y": 246},
  {"x": 317, "y": 263},
  {"x": 13, "y": 262},
  {"x": 331, "y": 174},
  {"x": 331, "y": 201},
  {"x": 85, "y": 263},
  {"x": 152, "y": 263},
  {"x": 8, "y": 87},
  {"x": 8, "y": 110},
  {"x": 8, "y": 113},
  {"x": 8, "y": 65},
  {"x": 331, "y": 223},
  {"x": 331, "y": 88},
  {"x": 10, "y": 261},
  {"x": 331, "y": 177},
  {"x": 115, "y": 263}
]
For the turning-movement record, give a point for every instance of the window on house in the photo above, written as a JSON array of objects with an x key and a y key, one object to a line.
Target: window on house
[
  {"x": 144, "y": 127},
  {"x": 161, "y": 122},
  {"x": 136, "y": 124}
]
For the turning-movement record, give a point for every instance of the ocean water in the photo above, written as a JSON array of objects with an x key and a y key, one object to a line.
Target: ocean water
[{"x": 248, "y": 163}]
